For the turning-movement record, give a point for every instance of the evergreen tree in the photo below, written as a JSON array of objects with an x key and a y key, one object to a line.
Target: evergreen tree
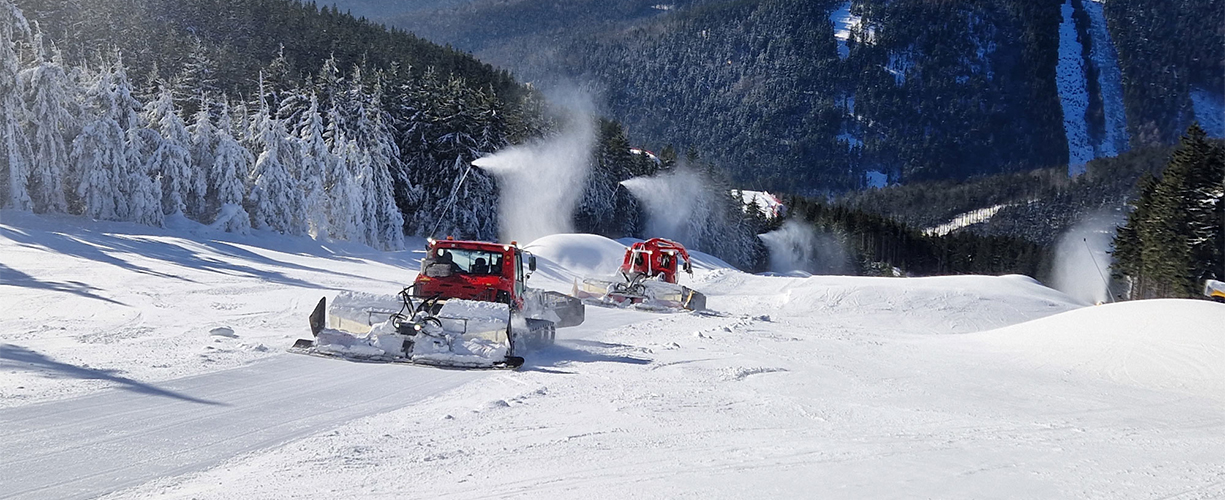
[
  {"x": 14, "y": 145},
  {"x": 345, "y": 219},
  {"x": 53, "y": 125},
  {"x": 231, "y": 168},
  {"x": 388, "y": 222},
  {"x": 275, "y": 197},
  {"x": 1172, "y": 239},
  {"x": 446, "y": 134},
  {"x": 345, "y": 216},
  {"x": 203, "y": 148},
  {"x": 171, "y": 162},
  {"x": 1205, "y": 162},
  {"x": 603, "y": 209},
  {"x": 365, "y": 165},
  {"x": 197, "y": 82},
  {"x": 98, "y": 154},
  {"x": 316, "y": 162},
  {"x": 141, "y": 197}
]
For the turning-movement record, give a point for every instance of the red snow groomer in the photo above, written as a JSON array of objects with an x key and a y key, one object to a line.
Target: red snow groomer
[
  {"x": 649, "y": 270},
  {"x": 468, "y": 307}
]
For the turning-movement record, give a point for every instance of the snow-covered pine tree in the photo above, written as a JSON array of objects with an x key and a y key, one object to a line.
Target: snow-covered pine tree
[
  {"x": 203, "y": 147},
  {"x": 51, "y": 101},
  {"x": 329, "y": 88},
  {"x": 380, "y": 155},
  {"x": 284, "y": 92},
  {"x": 14, "y": 144},
  {"x": 275, "y": 198},
  {"x": 384, "y": 151},
  {"x": 97, "y": 154},
  {"x": 291, "y": 105},
  {"x": 141, "y": 199},
  {"x": 316, "y": 161},
  {"x": 171, "y": 162},
  {"x": 345, "y": 217},
  {"x": 413, "y": 128},
  {"x": 361, "y": 165},
  {"x": 241, "y": 117},
  {"x": 228, "y": 177}
]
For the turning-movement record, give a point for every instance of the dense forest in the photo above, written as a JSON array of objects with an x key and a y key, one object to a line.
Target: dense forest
[
  {"x": 877, "y": 245},
  {"x": 1037, "y": 205},
  {"x": 153, "y": 110},
  {"x": 1167, "y": 50},
  {"x": 919, "y": 91}
]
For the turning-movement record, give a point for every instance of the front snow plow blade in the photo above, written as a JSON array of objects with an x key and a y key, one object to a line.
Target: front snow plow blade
[
  {"x": 687, "y": 298},
  {"x": 648, "y": 294},
  {"x": 558, "y": 308},
  {"x": 451, "y": 333}
]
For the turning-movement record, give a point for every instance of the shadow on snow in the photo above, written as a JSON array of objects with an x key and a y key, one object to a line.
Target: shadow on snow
[
  {"x": 548, "y": 359},
  {"x": 13, "y": 277},
  {"x": 29, "y": 360},
  {"x": 102, "y": 247}
]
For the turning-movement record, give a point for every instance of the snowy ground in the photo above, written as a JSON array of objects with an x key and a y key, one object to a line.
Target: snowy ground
[
  {"x": 957, "y": 387},
  {"x": 1070, "y": 78},
  {"x": 1110, "y": 82},
  {"x": 963, "y": 220},
  {"x": 1209, "y": 112}
]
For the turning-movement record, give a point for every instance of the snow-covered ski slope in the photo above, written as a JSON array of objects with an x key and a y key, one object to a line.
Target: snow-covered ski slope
[{"x": 824, "y": 387}]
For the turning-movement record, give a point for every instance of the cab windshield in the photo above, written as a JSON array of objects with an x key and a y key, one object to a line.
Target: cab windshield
[{"x": 470, "y": 261}]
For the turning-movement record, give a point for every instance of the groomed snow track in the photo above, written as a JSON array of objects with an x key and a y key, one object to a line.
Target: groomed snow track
[
  {"x": 97, "y": 444},
  {"x": 108, "y": 441}
]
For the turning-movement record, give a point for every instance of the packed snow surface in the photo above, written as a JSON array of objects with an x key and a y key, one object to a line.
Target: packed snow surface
[
  {"x": 1209, "y": 110},
  {"x": 1110, "y": 81},
  {"x": 1071, "y": 80},
  {"x": 963, "y": 220},
  {"x": 817, "y": 387},
  {"x": 844, "y": 22},
  {"x": 769, "y": 205}
]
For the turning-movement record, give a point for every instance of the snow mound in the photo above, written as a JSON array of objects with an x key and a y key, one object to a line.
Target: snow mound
[
  {"x": 945, "y": 304},
  {"x": 579, "y": 253},
  {"x": 1173, "y": 345}
]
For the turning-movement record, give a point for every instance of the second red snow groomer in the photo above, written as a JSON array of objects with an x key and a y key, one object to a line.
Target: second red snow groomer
[
  {"x": 656, "y": 257},
  {"x": 649, "y": 271}
]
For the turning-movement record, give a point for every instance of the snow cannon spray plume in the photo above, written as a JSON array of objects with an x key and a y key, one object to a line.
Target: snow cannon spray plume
[
  {"x": 542, "y": 182},
  {"x": 800, "y": 247},
  {"x": 674, "y": 201},
  {"x": 1082, "y": 258}
]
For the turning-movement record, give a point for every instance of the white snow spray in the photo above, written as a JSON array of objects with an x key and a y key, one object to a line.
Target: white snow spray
[
  {"x": 800, "y": 247},
  {"x": 542, "y": 182},
  {"x": 673, "y": 200},
  {"x": 1082, "y": 258}
]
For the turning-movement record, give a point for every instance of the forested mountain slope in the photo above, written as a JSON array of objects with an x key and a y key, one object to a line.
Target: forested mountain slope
[
  {"x": 812, "y": 95},
  {"x": 1037, "y": 206}
]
